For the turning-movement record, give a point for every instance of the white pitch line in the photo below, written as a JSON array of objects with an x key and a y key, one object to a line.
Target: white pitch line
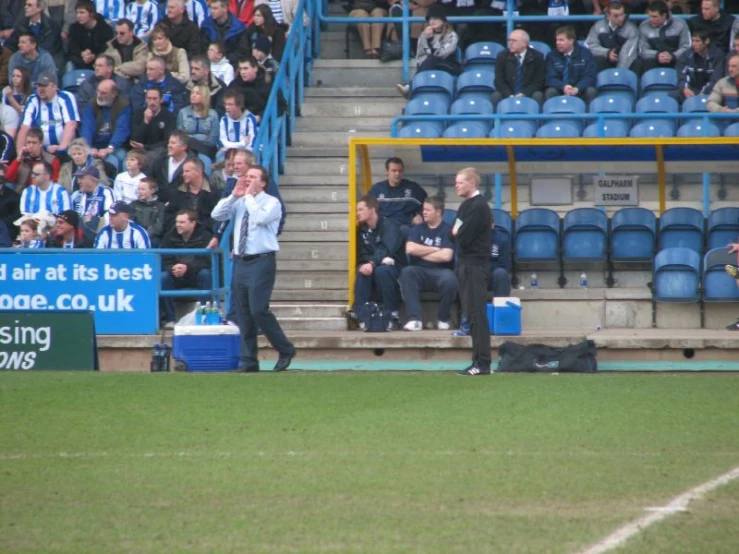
[{"x": 676, "y": 505}]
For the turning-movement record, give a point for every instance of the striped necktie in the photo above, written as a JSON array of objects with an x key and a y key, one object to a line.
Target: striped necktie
[
  {"x": 244, "y": 233},
  {"x": 519, "y": 74}
]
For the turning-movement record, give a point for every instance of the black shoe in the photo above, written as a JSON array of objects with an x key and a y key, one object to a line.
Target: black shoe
[
  {"x": 473, "y": 370},
  {"x": 245, "y": 369},
  {"x": 734, "y": 326},
  {"x": 394, "y": 324},
  {"x": 283, "y": 362}
]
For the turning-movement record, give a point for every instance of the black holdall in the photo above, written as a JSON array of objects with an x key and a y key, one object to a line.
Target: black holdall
[
  {"x": 540, "y": 358},
  {"x": 373, "y": 318}
]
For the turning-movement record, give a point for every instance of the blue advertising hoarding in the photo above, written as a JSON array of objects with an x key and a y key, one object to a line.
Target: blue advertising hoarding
[{"x": 120, "y": 289}]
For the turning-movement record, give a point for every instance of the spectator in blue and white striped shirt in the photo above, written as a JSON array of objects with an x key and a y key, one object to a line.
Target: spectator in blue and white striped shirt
[
  {"x": 144, "y": 14},
  {"x": 121, "y": 233},
  {"x": 196, "y": 11},
  {"x": 29, "y": 236},
  {"x": 53, "y": 111},
  {"x": 238, "y": 128},
  {"x": 43, "y": 193},
  {"x": 111, "y": 10},
  {"x": 93, "y": 199}
]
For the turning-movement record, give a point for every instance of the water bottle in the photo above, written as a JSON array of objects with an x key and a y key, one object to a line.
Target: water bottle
[
  {"x": 156, "y": 358},
  {"x": 206, "y": 313},
  {"x": 583, "y": 280},
  {"x": 200, "y": 314},
  {"x": 164, "y": 357},
  {"x": 534, "y": 280},
  {"x": 215, "y": 314}
]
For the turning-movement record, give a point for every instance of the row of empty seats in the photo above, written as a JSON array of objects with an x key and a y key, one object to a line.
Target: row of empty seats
[
  {"x": 680, "y": 275},
  {"x": 630, "y": 235}
]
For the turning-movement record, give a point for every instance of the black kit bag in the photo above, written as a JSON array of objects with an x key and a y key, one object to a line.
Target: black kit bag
[
  {"x": 540, "y": 358},
  {"x": 373, "y": 318}
]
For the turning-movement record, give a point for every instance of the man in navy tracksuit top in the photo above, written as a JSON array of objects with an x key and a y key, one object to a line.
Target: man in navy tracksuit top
[
  {"x": 571, "y": 68},
  {"x": 431, "y": 252},
  {"x": 500, "y": 263},
  {"x": 399, "y": 199},
  {"x": 471, "y": 232},
  {"x": 381, "y": 257}
]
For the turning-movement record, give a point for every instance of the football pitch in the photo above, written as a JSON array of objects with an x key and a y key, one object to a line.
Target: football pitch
[{"x": 370, "y": 462}]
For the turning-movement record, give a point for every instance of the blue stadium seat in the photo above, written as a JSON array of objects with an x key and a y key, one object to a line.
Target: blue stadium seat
[
  {"x": 659, "y": 80},
  {"x": 732, "y": 130},
  {"x": 449, "y": 216},
  {"x": 698, "y": 103},
  {"x": 657, "y": 103},
  {"x": 422, "y": 129},
  {"x": 503, "y": 220},
  {"x": 474, "y": 106},
  {"x": 610, "y": 104},
  {"x": 613, "y": 128},
  {"x": 719, "y": 286},
  {"x": 519, "y": 106},
  {"x": 482, "y": 53},
  {"x": 558, "y": 129},
  {"x": 537, "y": 235},
  {"x": 618, "y": 82},
  {"x": 476, "y": 79},
  {"x": 423, "y": 105},
  {"x": 541, "y": 47},
  {"x": 681, "y": 228},
  {"x": 696, "y": 128},
  {"x": 633, "y": 234},
  {"x": 584, "y": 235},
  {"x": 566, "y": 105},
  {"x": 654, "y": 128},
  {"x": 71, "y": 81},
  {"x": 466, "y": 129},
  {"x": 438, "y": 83},
  {"x": 723, "y": 228},
  {"x": 515, "y": 129},
  {"x": 677, "y": 276}
]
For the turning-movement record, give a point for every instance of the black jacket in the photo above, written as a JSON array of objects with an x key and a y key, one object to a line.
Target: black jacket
[
  {"x": 150, "y": 215},
  {"x": 506, "y": 68},
  {"x": 384, "y": 241},
  {"x": 81, "y": 39},
  {"x": 159, "y": 171},
  {"x": 10, "y": 202},
  {"x": 256, "y": 92},
  {"x": 474, "y": 241},
  {"x": 718, "y": 30},
  {"x": 202, "y": 203},
  {"x": 186, "y": 35},
  {"x": 700, "y": 74},
  {"x": 156, "y": 133},
  {"x": 199, "y": 239},
  {"x": 50, "y": 36}
]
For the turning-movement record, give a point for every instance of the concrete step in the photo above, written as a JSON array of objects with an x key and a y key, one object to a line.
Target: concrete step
[
  {"x": 313, "y": 324},
  {"x": 311, "y": 265},
  {"x": 317, "y": 251},
  {"x": 294, "y": 280},
  {"x": 357, "y": 73},
  {"x": 294, "y": 153},
  {"x": 329, "y": 94},
  {"x": 311, "y": 295},
  {"x": 307, "y": 310},
  {"x": 308, "y": 236},
  {"x": 326, "y": 195},
  {"x": 328, "y": 166},
  {"x": 358, "y": 125},
  {"x": 322, "y": 222},
  {"x": 332, "y": 138},
  {"x": 313, "y": 208},
  {"x": 350, "y": 107}
]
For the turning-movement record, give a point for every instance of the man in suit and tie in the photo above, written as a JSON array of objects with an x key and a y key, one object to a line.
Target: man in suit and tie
[{"x": 519, "y": 71}]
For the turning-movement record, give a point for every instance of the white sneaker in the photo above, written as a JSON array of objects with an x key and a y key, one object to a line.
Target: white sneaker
[
  {"x": 169, "y": 325},
  {"x": 413, "y": 325},
  {"x": 443, "y": 326}
]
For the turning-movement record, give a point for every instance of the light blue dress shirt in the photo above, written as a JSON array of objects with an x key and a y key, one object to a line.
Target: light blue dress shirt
[{"x": 265, "y": 212}]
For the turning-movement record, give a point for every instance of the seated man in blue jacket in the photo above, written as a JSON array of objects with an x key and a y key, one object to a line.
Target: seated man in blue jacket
[
  {"x": 174, "y": 94},
  {"x": 381, "y": 258},
  {"x": 106, "y": 124},
  {"x": 399, "y": 199},
  {"x": 571, "y": 68}
]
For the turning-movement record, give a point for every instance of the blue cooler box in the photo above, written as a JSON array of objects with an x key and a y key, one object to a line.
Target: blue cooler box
[
  {"x": 504, "y": 316},
  {"x": 205, "y": 347}
]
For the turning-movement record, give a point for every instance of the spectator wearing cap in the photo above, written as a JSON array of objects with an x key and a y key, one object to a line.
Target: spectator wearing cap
[
  {"x": 31, "y": 58},
  {"x": 174, "y": 93},
  {"x": 106, "y": 124},
  {"x": 92, "y": 201},
  {"x": 66, "y": 233},
  {"x": 9, "y": 204},
  {"x": 53, "y": 111},
  {"x": 261, "y": 49},
  {"x": 121, "y": 233},
  {"x": 43, "y": 193},
  {"x": 79, "y": 153},
  {"x": 19, "y": 170},
  {"x": 88, "y": 36},
  {"x": 185, "y": 271},
  {"x": 152, "y": 125}
]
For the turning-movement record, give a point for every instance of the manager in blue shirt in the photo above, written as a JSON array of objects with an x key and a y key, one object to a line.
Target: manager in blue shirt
[
  {"x": 399, "y": 199},
  {"x": 256, "y": 217}
]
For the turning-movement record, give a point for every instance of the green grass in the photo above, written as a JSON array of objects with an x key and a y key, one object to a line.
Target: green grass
[{"x": 361, "y": 462}]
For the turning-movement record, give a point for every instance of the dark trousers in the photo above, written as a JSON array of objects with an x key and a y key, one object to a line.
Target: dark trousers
[
  {"x": 473, "y": 280},
  {"x": 501, "y": 282},
  {"x": 202, "y": 281},
  {"x": 588, "y": 94},
  {"x": 414, "y": 279},
  {"x": 384, "y": 280},
  {"x": 251, "y": 290}
]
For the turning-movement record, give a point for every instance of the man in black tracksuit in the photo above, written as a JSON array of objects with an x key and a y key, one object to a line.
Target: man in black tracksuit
[{"x": 471, "y": 231}]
